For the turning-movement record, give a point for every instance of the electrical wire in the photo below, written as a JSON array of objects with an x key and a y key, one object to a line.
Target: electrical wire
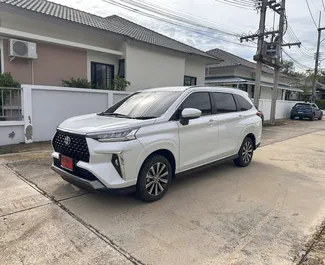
[
  {"x": 323, "y": 5},
  {"x": 195, "y": 29},
  {"x": 297, "y": 63},
  {"x": 179, "y": 16},
  {"x": 242, "y": 5},
  {"x": 311, "y": 14},
  {"x": 312, "y": 1}
]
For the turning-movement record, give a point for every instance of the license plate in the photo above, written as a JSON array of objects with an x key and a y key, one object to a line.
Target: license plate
[
  {"x": 300, "y": 112},
  {"x": 67, "y": 162}
]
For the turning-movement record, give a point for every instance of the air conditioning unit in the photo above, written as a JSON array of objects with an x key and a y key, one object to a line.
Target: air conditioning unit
[{"x": 22, "y": 49}]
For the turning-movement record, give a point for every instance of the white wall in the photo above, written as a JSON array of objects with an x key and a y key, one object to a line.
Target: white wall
[
  {"x": 52, "y": 105},
  {"x": 12, "y": 128},
  {"x": 45, "y": 107},
  {"x": 99, "y": 57},
  {"x": 148, "y": 67},
  {"x": 283, "y": 108},
  {"x": 196, "y": 68}
]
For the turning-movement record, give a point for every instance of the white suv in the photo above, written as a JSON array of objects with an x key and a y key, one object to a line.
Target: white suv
[{"x": 147, "y": 138}]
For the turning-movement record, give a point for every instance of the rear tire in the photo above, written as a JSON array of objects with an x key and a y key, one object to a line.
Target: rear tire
[
  {"x": 154, "y": 179},
  {"x": 245, "y": 154}
]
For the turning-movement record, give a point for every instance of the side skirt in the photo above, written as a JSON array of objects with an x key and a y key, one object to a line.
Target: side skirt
[{"x": 200, "y": 168}]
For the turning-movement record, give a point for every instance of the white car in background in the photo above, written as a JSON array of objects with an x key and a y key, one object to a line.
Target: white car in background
[{"x": 147, "y": 138}]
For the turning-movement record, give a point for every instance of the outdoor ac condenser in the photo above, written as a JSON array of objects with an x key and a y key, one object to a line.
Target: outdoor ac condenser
[{"x": 22, "y": 49}]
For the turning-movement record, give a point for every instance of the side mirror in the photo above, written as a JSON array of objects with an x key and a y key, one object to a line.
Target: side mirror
[{"x": 189, "y": 114}]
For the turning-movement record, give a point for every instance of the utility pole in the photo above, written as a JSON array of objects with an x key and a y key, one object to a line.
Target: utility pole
[
  {"x": 313, "y": 98},
  {"x": 259, "y": 64},
  {"x": 277, "y": 66},
  {"x": 269, "y": 53}
]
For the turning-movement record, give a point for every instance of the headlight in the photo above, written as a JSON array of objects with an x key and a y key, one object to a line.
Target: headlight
[{"x": 114, "y": 136}]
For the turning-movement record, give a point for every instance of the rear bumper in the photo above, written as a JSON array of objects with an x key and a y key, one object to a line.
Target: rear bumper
[{"x": 302, "y": 115}]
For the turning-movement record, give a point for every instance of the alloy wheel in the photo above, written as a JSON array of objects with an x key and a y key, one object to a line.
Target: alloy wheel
[
  {"x": 157, "y": 179},
  {"x": 247, "y": 152}
]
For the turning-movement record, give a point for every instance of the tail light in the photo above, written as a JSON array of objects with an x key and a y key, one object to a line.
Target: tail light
[{"x": 259, "y": 114}]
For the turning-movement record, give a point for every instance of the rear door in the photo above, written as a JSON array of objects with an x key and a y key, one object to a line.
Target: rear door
[
  {"x": 228, "y": 123},
  {"x": 198, "y": 139}
]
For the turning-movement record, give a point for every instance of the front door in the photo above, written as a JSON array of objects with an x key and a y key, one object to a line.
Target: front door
[{"x": 198, "y": 139}]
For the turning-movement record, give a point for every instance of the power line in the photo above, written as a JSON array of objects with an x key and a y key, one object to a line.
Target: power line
[
  {"x": 323, "y": 4},
  {"x": 311, "y": 14},
  {"x": 243, "y": 5},
  {"x": 312, "y": 1},
  {"x": 179, "y": 16},
  {"x": 186, "y": 26},
  {"x": 300, "y": 65}
]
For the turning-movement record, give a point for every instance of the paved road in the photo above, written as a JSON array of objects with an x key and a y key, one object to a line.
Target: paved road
[{"x": 264, "y": 214}]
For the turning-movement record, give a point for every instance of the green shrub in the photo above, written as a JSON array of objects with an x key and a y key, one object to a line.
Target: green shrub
[
  {"x": 76, "y": 82},
  {"x": 321, "y": 104},
  {"x": 6, "y": 80},
  {"x": 120, "y": 84}
]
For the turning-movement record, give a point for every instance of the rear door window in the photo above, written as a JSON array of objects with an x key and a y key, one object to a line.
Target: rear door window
[
  {"x": 242, "y": 103},
  {"x": 225, "y": 102}
]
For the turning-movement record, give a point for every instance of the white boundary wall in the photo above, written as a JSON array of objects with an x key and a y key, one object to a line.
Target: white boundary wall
[
  {"x": 283, "y": 108},
  {"x": 45, "y": 107}
]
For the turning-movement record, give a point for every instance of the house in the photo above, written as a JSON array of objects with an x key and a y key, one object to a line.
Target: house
[
  {"x": 63, "y": 42},
  {"x": 240, "y": 73}
]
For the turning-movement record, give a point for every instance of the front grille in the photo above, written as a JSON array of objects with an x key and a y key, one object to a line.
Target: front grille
[
  {"x": 77, "y": 171},
  {"x": 76, "y": 149}
]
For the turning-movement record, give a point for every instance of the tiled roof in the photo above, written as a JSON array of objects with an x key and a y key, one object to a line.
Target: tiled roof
[
  {"x": 230, "y": 59},
  {"x": 113, "y": 24}
]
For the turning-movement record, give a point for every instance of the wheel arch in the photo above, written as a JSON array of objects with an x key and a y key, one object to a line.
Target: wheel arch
[
  {"x": 253, "y": 138},
  {"x": 165, "y": 153}
]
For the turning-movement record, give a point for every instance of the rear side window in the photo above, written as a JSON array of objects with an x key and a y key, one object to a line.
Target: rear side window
[
  {"x": 242, "y": 103},
  {"x": 224, "y": 102},
  {"x": 199, "y": 100}
]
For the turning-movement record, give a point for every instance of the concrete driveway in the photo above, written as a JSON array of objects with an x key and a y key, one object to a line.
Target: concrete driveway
[{"x": 267, "y": 213}]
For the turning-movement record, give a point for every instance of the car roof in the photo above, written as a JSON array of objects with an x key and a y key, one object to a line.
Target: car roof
[{"x": 197, "y": 88}]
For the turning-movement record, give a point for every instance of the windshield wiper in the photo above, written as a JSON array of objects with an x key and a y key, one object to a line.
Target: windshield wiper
[
  {"x": 145, "y": 118},
  {"x": 118, "y": 115}
]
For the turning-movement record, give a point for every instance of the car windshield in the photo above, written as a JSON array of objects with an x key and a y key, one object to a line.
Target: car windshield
[{"x": 143, "y": 105}]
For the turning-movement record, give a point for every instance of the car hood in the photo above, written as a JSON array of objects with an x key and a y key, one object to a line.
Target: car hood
[{"x": 94, "y": 123}]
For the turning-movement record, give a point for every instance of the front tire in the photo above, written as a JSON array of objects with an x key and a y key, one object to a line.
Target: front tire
[
  {"x": 245, "y": 154},
  {"x": 154, "y": 179}
]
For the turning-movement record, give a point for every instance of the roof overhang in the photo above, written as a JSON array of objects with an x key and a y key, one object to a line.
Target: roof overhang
[{"x": 242, "y": 81}]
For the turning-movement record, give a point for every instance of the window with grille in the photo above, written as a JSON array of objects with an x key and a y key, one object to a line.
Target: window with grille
[{"x": 102, "y": 75}]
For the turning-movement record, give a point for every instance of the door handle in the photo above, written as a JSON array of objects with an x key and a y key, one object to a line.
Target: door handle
[{"x": 212, "y": 121}]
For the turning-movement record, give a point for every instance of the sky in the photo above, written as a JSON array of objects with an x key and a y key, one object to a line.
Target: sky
[{"x": 227, "y": 18}]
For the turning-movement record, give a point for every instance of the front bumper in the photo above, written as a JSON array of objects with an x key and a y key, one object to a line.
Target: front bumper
[
  {"x": 82, "y": 183},
  {"x": 111, "y": 166}
]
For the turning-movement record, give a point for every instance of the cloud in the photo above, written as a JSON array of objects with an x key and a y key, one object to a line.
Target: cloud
[{"x": 221, "y": 15}]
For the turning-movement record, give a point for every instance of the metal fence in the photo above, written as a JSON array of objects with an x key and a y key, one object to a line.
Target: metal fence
[{"x": 10, "y": 104}]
